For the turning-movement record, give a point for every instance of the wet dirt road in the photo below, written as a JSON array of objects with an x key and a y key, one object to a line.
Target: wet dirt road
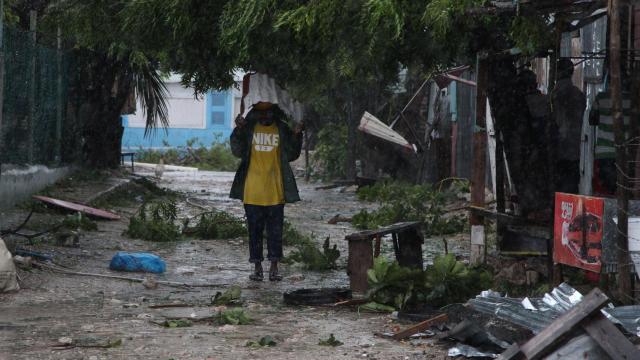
[{"x": 93, "y": 311}]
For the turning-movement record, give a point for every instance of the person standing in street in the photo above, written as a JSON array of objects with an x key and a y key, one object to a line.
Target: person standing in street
[{"x": 264, "y": 180}]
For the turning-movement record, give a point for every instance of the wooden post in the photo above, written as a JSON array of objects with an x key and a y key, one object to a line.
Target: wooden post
[
  {"x": 58, "y": 150},
  {"x": 555, "y": 270},
  {"x": 360, "y": 260},
  {"x": 622, "y": 196},
  {"x": 33, "y": 18},
  {"x": 479, "y": 163},
  {"x": 1, "y": 72}
]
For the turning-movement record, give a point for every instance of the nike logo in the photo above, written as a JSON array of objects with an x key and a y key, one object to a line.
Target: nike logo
[{"x": 265, "y": 142}]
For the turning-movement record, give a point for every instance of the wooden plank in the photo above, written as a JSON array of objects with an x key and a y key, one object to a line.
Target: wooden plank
[
  {"x": 610, "y": 338},
  {"x": 359, "y": 261},
  {"x": 370, "y": 234},
  {"x": 554, "y": 333},
  {"x": 512, "y": 353},
  {"x": 377, "y": 248},
  {"x": 421, "y": 326},
  {"x": 351, "y": 302}
]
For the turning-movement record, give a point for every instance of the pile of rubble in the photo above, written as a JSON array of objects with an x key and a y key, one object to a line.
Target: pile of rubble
[{"x": 567, "y": 324}]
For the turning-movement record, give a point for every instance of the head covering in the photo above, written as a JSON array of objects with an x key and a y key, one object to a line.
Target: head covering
[
  {"x": 260, "y": 88},
  {"x": 262, "y": 105}
]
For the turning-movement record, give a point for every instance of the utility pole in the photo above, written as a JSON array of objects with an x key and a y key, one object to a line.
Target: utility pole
[
  {"x": 58, "y": 150},
  {"x": 33, "y": 16},
  {"x": 1, "y": 74},
  {"x": 622, "y": 194},
  {"x": 478, "y": 246}
]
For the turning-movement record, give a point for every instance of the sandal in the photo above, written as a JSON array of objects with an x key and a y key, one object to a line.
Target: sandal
[
  {"x": 274, "y": 276},
  {"x": 257, "y": 276}
]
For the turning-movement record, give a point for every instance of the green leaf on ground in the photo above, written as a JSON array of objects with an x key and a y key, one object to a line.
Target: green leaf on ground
[
  {"x": 264, "y": 341},
  {"x": 331, "y": 341},
  {"x": 376, "y": 307},
  {"x": 231, "y": 296},
  {"x": 235, "y": 316},
  {"x": 177, "y": 323}
]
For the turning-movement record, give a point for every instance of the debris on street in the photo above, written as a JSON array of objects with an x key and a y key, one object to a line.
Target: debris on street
[
  {"x": 555, "y": 315},
  {"x": 137, "y": 262},
  {"x": 103, "y": 214},
  {"x": 330, "y": 341},
  {"x": 8, "y": 275},
  {"x": 323, "y": 180}
]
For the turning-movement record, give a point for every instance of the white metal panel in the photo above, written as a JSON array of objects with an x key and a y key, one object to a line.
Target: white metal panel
[{"x": 263, "y": 88}]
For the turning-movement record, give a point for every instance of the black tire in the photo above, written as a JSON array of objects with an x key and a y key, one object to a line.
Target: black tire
[{"x": 319, "y": 296}]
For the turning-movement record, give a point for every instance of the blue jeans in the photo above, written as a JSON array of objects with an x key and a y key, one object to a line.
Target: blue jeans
[{"x": 259, "y": 217}]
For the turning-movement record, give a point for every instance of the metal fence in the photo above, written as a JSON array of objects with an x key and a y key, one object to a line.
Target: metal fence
[{"x": 35, "y": 128}]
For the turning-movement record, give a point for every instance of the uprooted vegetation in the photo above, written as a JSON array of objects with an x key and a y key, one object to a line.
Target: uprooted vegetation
[
  {"x": 445, "y": 282},
  {"x": 306, "y": 250},
  {"x": 158, "y": 221},
  {"x": 155, "y": 222},
  {"x": 217, "y": 157},
  {"x": 216, "y": 224},
  {"x": 403, "y": 202},
  {"x": 78, "y": 221},
  {"x": 136, "y": 191}
]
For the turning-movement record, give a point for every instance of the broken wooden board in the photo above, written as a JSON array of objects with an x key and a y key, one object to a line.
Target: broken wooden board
[
  {"x": 78, "y": 207},
  {"x": 607, "y": 335},
  {"x": 419, "y": 327},
  {"x": 553, "y": 334}
]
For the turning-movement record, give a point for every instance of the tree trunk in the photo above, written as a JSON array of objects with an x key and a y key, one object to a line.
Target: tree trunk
[
  {"x": 104, "y": 87},
  {"x": 622, "y": 195},
  {"x": 352, "y": 125}
]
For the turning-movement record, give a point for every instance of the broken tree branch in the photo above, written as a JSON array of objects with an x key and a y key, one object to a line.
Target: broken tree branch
[
  {"x": 421, "y": 326},
  {"x": 126, "y": 278},
  {"x": 9, "y": 231}
]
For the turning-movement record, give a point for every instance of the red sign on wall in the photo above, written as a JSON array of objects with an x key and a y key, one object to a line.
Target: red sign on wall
[{"x": 577, "y": 232}]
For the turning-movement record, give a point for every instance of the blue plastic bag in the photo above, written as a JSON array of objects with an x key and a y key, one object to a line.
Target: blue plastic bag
[{"x": 143, "y": 262}]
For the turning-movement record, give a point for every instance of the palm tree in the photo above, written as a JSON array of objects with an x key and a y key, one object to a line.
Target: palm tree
[{"x": 112, "y": 64}]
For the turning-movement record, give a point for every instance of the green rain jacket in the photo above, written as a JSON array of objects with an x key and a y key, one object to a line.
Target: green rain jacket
[{"x": 290, "y": 147}]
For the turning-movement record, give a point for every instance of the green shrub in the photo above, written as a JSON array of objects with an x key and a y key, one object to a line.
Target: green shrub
[
  {"x": 307, "y": 252},
  {"x": 446, "y": 281},
  {"x": 292, "y": 237},
  {"x": 217, "y": 225},
  {"x": 331, "y": 151},
  {"x": 217, "y": 157},
  {"x": 403, "y": 202},
  {"x": 79, "y": 221},
  {"x": 155, "y": 222},
  {"x": 314, "y": 258}
]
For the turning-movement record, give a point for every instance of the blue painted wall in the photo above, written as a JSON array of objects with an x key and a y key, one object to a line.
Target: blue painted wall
[{"x": 219, "y": 112}]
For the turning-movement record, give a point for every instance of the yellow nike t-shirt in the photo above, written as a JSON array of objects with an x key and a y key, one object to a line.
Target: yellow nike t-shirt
[{"x": 263, "y": 185}]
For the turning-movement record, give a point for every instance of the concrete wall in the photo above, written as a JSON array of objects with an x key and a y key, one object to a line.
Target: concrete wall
[
  {"x": 208, "y": 119},
  {"x": 18, "y": 184}
]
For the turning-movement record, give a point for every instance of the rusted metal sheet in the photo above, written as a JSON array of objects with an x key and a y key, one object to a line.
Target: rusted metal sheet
[{"x": 78, "y": 207}]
